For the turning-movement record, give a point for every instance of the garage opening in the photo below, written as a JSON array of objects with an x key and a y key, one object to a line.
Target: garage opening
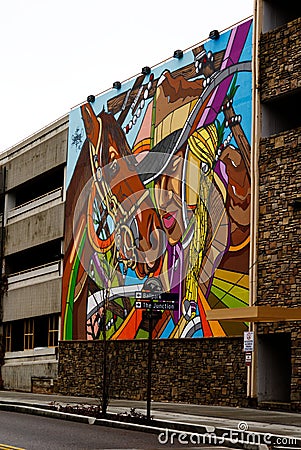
[{"x": 274, "y": 368}]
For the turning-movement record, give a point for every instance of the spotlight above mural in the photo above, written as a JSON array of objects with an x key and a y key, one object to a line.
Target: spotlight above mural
[
  {"x": 117, "y": 85},
  {"x": 146, "y": 70},
  {"x": 91, "y": 98},
  {"x": 214, "y": 34},
  {"x": 178, "y": 54}
]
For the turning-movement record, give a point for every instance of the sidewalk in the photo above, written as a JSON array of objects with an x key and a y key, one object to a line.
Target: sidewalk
[{"x": 174, "y": 416}]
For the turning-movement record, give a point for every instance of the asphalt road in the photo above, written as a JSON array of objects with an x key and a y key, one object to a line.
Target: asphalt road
[
  {"x": 35, "y": 433},
  {"x": 30, "y": 432}
]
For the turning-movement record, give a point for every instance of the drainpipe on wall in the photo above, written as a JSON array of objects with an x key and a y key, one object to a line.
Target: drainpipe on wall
[{"x": 256, "y": 133}]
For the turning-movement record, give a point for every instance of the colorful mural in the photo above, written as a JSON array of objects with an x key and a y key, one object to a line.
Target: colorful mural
[{"x": 158, "y": 198}]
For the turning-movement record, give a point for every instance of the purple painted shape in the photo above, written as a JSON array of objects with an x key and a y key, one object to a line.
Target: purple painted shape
[
  {"x": 232, "y": 54},
  {"x": 175, "y": 272},
  {"x": 220, "y": 170},
  {"x": 236, "y": 44},
  {"x": 100, "y": 271}
]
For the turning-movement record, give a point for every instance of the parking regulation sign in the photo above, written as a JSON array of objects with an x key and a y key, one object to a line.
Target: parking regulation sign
[{"x": 249, "y": 341}]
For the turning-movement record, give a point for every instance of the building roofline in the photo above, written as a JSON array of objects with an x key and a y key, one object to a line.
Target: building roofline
[{"x": 31, "y": 139}]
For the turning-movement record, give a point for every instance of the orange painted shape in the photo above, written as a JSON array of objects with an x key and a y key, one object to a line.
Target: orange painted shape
[
  {"x": 205, "y": 324},
  {"x": 128, "y": 329},
  {"x": 215, "y": 326}
]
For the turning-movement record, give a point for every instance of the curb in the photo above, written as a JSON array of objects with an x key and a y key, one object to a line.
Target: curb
[{"x": 170, "y": 431}]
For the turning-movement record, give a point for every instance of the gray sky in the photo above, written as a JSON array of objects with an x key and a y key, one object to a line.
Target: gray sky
[{"x": 55, "y": 53}]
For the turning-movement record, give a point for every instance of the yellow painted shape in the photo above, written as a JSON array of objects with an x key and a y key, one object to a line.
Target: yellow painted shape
[
  {"x": 167, "y": 126},
  {"x": 193, "y": 177},
  {"x": 233, "y": 277},
  {"x": 178, "y": 330},
  {"x": 179, "y": 117},
  {"x": 10, "y": 447},
  {"x": 238, "y": 292}
]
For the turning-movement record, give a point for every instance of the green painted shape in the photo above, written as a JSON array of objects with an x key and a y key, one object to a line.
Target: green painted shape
[
  {"x": 236, "y": 291},
  {"x": 142, "y": 334},
  {"x": 68, "y": 322},
  {"x": 227, "y": 299}
]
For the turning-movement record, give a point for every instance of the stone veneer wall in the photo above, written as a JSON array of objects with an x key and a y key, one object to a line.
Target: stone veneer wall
[
  {"x": 279, "y": 230},
  {"x": 280, "y": 60},
  {"x": 279, "y": 240},
  {"x": 202, "y": 371}
]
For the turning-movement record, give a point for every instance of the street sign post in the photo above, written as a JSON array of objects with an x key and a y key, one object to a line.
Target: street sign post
[{"x": 152, "y": 304}]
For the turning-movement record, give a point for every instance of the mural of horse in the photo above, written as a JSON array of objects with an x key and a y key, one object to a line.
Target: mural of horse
[{"x": 159, "y": 195}]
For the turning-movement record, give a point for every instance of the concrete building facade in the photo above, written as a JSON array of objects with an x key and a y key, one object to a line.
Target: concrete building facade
[{"x": 33, "y": 220}]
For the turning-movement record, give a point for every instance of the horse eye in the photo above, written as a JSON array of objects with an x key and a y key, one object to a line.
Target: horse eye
[{"x": 114, "y": 166}]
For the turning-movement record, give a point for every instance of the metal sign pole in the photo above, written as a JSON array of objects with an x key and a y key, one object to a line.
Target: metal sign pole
[
  {"x": 149, "y": 365},
  {"x": 153, "y": 291}
]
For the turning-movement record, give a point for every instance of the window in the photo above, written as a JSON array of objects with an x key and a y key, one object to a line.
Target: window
[
  {"x": 40, "y": 331},
  {"x": 277, "y": 13},
  {"x": 53, "y": 331},
  {"x": 41, "y": 185},
  {"x": 17, "y": 335},
  {"x": 281, "y": 113},
  {"x": 34, "y": 332},
  {"x": 34, "y": 256},
  {"x": 28, "y": 334},
  {"x": 7, "y": 337}
]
